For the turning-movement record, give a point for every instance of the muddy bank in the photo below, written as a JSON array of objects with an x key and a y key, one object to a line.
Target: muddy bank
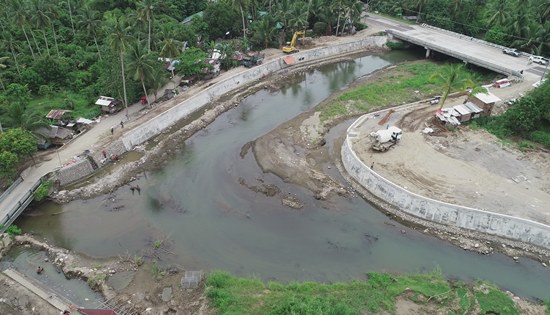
[{"x": 150, "y": 288}]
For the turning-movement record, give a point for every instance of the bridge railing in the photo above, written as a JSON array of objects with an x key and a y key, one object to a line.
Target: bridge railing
[
  {"x": 19, "y": 207},
  {"x": 11, "y": 188},
  {"x": 453, "y": 53}
]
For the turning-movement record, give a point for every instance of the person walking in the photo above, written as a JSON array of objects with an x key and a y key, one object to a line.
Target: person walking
[
  {"x": 104, "y": 153},
  {"x": 121, "y": 124},
  {"x": 112, "y": 130}
]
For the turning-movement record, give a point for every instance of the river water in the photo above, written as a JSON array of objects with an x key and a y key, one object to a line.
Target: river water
[{"x": 207, "y": 220}]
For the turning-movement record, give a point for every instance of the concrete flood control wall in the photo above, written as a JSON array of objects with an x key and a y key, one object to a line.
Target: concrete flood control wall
[
  {"x": 437, "y": 211},
  {"x": 155, "y": 126}
]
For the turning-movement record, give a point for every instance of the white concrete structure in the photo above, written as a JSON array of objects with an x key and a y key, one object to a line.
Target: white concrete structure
[
  {"x": 437, "y": 211},
  {"x": 154, "y": 126}
]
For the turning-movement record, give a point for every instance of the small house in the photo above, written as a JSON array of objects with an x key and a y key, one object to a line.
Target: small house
[
  {"x": 485, "y": 101},
  {"x": 55, "y": 135},
  {"x": 108, "y": 104},
  {"x": 474, "y": 110},
  {"x": 59, "y": 117},
  {"x": 463, "y": 113}
]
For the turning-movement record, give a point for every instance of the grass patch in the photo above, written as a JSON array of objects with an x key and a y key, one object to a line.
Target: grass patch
[
  {"x": 465, "y": 301},
  {"x": 493, "y": 301},
  {"x": 407, "y": 82},
  {"x": 79, "y": 104},
  {"x": 234, "y": 295}
]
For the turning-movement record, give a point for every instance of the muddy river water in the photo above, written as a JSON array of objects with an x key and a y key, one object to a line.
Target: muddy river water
[{"x": 208, "y": 220}]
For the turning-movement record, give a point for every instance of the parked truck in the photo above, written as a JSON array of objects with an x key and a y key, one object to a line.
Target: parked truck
[{"x": 384, "y": 139}]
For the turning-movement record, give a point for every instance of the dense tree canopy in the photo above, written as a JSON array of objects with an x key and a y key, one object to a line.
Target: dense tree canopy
[{"x": 63, "y": 54}]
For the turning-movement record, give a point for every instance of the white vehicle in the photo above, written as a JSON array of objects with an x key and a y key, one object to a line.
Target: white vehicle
[
  {"x": 384, "y": 139},
  {"x": 538, "y": 59},
  {"x": 511, "y": 52}
]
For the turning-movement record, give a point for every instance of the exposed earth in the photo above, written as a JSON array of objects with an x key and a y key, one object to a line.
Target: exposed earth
[{"x": 467, "y": 167}]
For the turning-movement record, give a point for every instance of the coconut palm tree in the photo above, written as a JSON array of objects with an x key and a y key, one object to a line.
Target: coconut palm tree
[
  {"x": 8, "y": 41},
  {"x": 156, "y": 81},
  {"x": 71, "y": 16},
  {"x": 119, "y": 41},
  {"x": 53, "y": 15},
  {"x": 169, "y": 46},
  {"x": 242, "y": 6},
  {"x": 500, "y": 13},
  {"x": 21, "y": 20},
  {"x": 89, "y": 22},
  {"x": 453, "y": 77},
  {"x": 283, "y": 14},
  {"x": 146, "y": 7},
  {"x": 142, "y": 64},
  {"x": 265, "y": 28},
  {"x": 41, "y": 20}
]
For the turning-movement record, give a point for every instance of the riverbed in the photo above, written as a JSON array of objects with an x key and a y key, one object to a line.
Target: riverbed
[{"x": 205, "y": 218}]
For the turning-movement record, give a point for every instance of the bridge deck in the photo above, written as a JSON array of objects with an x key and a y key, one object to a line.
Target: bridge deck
[{"x": 462, "y": 47}]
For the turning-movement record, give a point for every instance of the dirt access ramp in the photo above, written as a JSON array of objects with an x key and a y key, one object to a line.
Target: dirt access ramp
[{"x": 466, "y": 167}]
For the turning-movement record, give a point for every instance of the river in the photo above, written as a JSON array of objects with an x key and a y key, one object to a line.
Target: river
[{"x": 207, "y": 220}]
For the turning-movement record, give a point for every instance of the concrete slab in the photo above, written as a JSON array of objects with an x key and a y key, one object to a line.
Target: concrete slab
[{"x": 54, "y": 300}]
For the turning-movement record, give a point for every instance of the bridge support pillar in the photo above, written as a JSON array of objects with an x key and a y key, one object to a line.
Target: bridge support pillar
[{"x": 427, "y": 52}]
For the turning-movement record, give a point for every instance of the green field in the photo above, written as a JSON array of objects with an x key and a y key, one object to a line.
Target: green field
[
  {"x": 236, "y": 295},
  {"x": 407, "y": 82}
]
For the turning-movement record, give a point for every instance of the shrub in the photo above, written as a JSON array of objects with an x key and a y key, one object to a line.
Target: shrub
[
  {"x": 14, "y": 230},
  {"x": 43, "y": 190},
  {"x": 46, "y": 91}
]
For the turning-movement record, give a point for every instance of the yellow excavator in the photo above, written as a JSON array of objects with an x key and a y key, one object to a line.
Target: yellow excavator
[{"x": 290, "y": 48}]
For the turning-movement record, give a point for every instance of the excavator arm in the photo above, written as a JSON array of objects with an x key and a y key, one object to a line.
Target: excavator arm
[{"x": 292, "y": 47}]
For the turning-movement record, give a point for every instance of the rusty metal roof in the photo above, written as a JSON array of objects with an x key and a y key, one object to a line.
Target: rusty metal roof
[{"x": 57, "y": 113}]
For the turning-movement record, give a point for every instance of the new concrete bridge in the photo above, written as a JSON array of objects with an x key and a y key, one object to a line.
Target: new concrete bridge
[{"x": 459, "y": 46}]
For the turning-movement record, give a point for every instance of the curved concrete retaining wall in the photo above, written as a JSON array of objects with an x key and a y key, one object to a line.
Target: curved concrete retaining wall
[
  {"x": 441, "y": 212},
  {"x": 154, "y": 126}
]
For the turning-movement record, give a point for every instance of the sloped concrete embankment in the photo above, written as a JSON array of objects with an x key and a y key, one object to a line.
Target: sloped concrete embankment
[
  {"x": 156, "y": 125},
  {"x": 447, "y": 214}
]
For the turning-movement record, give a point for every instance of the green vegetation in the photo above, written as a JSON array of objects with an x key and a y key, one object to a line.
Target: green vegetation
[
  {"x": 398, "y": 86},
  {"x": 96, "y": 280},
  {"x": 43, "y": 191},
  {"x": 514, "y": 23},
  {"x": 526, "y": 122},
  {"x": 235, "y": 295},
  {"x": 63, "y": 54},
  {"x": 13, "y": 230},
  {"x": 492, "y": 300},
  {"x": 16, "y": 145}
]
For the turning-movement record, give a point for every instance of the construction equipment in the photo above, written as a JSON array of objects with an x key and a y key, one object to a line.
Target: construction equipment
[
  {"x": 384, "y": 139},
  {"x": 290, "y": 48},
  {"x": 250, "y": 61}
]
